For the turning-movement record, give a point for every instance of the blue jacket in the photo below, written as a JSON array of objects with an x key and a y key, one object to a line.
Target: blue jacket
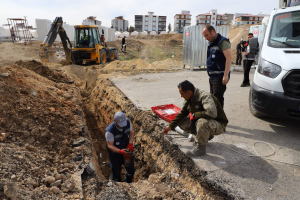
[
  {"x": 215, "y": 58},
  {"x": 121, "y": 138}
]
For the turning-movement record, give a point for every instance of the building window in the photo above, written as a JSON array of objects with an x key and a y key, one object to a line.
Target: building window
[
  {"x": 146, "y": 28},
  {"x": 208, "y": 17},
  {"x": 251, "y": 18},
  {"x": 256, "y": 18},
  {"x": 213, "y": 18},
  {"x": 146, "y": 19},
  {"x": 213, "y": 23},
  {"x": 182, "y": 16},
  {"x": 146, "y": 23},
  {"x": 153, "y": 28},
  {"x": 214, "y": 13},
  {"x": 154, "y": 23},
  {"x": 154, "y": 19},
  {"x": 177, "y": 16},
  {"x": 219, "y": 17}
]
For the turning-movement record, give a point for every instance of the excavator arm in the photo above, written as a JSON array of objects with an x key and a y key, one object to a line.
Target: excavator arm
[{"x": 56, "y": 29}]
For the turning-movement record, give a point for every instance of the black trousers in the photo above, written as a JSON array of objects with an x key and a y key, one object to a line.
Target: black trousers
[
  {"x": 116, "y": 162},
  {"x": 124, "y": 47},
  {"x": 238, "y": 59},
  {"x": 247, "y": 67},
  {"x": 217, "y": 89}
]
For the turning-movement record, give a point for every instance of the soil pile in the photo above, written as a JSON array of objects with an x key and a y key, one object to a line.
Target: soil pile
[
  {"x": 43, "y": 70},
  {"x": 44, "y": 150}
]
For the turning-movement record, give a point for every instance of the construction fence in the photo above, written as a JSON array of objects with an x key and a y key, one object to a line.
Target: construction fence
[{"x": 195, "y": 45}]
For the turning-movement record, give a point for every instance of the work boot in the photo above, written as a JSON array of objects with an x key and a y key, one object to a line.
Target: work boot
[
  {"x": 245, "y": 84},
  {"x": 198, "y": 150}
]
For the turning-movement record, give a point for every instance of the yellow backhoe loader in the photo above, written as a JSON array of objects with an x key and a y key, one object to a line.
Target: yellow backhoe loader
[{"x": 89, "y": 45}]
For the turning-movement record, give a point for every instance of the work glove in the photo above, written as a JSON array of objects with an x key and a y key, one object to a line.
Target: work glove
[
  {"x": 193, "y": 124},
  {"x": 192, "y": 116},
  {"x": 130, "y": 147},
  {"x": 123, "y": 152}
]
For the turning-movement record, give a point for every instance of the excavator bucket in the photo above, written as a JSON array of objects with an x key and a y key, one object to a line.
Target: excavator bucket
[{"x": 47, "y": 56}]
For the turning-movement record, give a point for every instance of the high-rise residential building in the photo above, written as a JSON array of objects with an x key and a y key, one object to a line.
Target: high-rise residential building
[
  {"x": 212, "y": 18},
  {"x": 182, "y": 20},
  {"x": 150, "y": 23},
  {"x": 119, "y": 24}
]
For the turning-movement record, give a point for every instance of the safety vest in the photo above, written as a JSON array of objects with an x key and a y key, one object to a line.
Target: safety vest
[
  {"x": 85, "y": 38},
  {"x": 121, "y": 138},
  {"x": 215, "y": 58}
]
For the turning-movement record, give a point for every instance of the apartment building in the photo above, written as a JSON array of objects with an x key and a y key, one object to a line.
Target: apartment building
[
  {"x": 212, "y": 18},
  {"x": 91, "y": 20},
  {"x": 150, "y": 23},
  {"x": 119, "y": 24},
  {"x": 181, "y": 20},
  {"x": 248, "y": 19}
]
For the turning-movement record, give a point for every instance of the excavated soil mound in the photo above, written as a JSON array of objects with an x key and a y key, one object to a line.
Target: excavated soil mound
[
  {"x": 132, "y": 44},
  {"x": 44, "y": 149},
  {"x": 43, "y": 70},
  {"x": 141, "y": 64}
]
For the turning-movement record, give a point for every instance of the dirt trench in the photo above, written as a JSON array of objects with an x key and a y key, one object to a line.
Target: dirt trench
[{"x": 162, "y": 171}]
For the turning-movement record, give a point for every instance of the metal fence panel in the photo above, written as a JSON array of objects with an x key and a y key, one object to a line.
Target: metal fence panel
[{"x": 195, "y": 45}]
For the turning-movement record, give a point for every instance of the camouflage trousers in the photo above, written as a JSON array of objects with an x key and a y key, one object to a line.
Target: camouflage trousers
[{"x": 204, "y": 128}]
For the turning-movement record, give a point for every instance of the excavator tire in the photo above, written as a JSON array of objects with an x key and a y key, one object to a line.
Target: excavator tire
[
  {"x": 102, "y": 56},
  {"x": 116, "y": 54},
  {"x": 112, "y": 54}
]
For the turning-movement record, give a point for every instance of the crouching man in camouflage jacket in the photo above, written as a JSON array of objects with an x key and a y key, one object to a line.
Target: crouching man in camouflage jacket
[{"x": 202, "y": 115}]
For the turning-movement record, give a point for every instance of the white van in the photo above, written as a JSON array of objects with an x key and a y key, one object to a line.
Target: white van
[{"x": 275, "y": 90}]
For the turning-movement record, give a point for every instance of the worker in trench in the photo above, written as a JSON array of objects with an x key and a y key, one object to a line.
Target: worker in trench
[
  {"x": 202, "y": 115},
  {"x": 119, "y": 139}
]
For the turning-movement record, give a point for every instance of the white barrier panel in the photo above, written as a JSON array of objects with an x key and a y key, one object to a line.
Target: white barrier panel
[
  {"x": 153, "y": 33},
  {"x": 163, "y": 33},
  {"x": 144, "y": 33},
  {"x": 42, "y": 26}
]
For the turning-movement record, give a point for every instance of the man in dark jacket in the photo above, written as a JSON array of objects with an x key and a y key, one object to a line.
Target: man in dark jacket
[
  {"x": 123, "y": 44},
  {"x": 248, "y": 61},
  {"x": 119, "y": 136},
  {"x": 238, "y": 54},
  {"x": 218, "y": 62},
  {"x": 202, "y": 115}
]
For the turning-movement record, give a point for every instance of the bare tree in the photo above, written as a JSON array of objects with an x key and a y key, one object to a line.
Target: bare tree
[{"x": 131, "y": 29}]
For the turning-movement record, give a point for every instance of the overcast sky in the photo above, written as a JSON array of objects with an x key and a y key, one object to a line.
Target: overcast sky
[{"x": 73, "y": 12}]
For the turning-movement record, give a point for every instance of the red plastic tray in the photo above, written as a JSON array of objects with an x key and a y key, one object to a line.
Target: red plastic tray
[{"x": 167, "y": 112}]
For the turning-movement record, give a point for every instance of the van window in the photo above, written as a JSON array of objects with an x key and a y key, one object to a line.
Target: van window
[{"x": 285, "y": 30}]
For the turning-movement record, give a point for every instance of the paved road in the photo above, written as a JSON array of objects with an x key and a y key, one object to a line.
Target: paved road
[{"x": 227, "y": 161}]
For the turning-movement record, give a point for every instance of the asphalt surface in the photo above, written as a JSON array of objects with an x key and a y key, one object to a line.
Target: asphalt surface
[{"x": 231, "y": 161}]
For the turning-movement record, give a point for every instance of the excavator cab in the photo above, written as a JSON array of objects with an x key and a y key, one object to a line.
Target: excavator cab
[{"x": 89, "y": 46}]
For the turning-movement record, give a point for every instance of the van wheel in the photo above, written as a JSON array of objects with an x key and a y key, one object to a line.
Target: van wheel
[
  {"x": 102, "y": 56},
  {"x": 253, "y": 111}
]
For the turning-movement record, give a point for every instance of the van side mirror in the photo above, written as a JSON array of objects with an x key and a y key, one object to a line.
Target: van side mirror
[{"x": 253, "y": 45}]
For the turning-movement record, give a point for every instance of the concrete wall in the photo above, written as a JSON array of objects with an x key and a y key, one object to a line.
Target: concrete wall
[
  {"x": 42, "y": 26},
  {"x": 2, "y": 33}
]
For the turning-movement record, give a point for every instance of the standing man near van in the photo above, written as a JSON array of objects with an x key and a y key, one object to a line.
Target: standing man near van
[
  {"x": 239, "y": 53},
  {"x": 218, "y": 62},
  {"x": 248, "y": 61}
]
